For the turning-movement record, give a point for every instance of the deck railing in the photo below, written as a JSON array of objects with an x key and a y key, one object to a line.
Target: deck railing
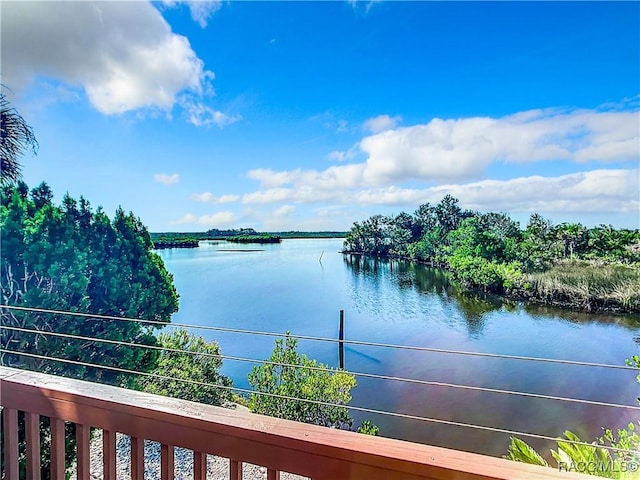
[{"x": 279, "y": 445}]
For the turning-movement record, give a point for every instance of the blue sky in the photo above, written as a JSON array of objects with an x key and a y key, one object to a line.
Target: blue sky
[{"x": 309, "y": 116}]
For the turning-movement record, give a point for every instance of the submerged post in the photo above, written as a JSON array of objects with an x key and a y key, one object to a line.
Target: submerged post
[{"x": 341, "y": 340}]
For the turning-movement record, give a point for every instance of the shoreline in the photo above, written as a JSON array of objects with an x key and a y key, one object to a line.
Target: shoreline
[{"x": 591, "y": 306}]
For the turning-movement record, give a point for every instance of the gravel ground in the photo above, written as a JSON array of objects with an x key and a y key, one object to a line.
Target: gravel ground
[{"x": 217, "y": 467}]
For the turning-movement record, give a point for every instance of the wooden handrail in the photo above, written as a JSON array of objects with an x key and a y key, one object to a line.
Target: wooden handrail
[{"x": 280, "y": 445}]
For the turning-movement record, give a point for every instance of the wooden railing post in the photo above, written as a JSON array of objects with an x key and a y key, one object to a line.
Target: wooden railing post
[
  {"x": 108, "y": 455},
  {"x": 341, "y": 338},
  {"x": 273, "y": 474},
  {"x": 32, "y": 437},
  {"x": 199, "y": 466},
  {"x": 57, "y": 449},
  {"x": 83, "y": 434},
  {"x": 166, "y": 462},
  {"x": 235, "y": 470},
  {"x": 137, "y": 458},
  {"x": 10, "y": 432}
]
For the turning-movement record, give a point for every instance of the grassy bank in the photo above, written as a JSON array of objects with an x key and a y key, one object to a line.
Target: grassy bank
[{"x": 584, "y": 285}]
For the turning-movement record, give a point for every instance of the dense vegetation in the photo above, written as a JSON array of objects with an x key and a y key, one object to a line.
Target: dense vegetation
[
  {"x": 567, "y": 264},
  {"x": 261, "y": 238},
  {"x": 189, "y": 368},
  {"x": 290, "y": 374},
  {"x": 178, "y": 239},
  {"x": 191, "y": 239},
  {"x": 292, "y": 386},
  {"x": 175, "y": 243},
  {"x": 217, "y": 234},
  {"x": 71, "y": 258},
  {"x": 298, "y": 234}
]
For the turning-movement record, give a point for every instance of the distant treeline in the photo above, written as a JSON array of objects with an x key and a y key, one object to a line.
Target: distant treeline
[
  {"x": 567, "y": 265},
  {"x": 261, "y": 238},
  {"x": 297, "y": 234},
  {"x": 216, "y": 234},
  {"x": 192, "y": 239},
  {"x": 176, "y": 243},
  {"x": 248, "y": 235}
]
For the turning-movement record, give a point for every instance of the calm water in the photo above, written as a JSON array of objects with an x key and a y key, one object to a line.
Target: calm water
[{"x": 285, "y": 287}]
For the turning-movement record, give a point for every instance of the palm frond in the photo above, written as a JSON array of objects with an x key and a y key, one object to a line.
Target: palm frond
[{"x": 16, "y": 137}]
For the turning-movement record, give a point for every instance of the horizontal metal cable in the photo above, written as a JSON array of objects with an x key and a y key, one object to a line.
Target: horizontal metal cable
[
  {"x": 321, "y": 339},
  {"x": 322, "y": 403},
  {"x": 310, "y": 367}
]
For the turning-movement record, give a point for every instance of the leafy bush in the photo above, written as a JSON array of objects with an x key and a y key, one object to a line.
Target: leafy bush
[
  {"x": 287, "y": 376},
  {"x": 198, "y": 361},
  {"x": 475, "y": 272},
  {"x": 368, "y": 428},
  {"x": 590, "y": 459}
]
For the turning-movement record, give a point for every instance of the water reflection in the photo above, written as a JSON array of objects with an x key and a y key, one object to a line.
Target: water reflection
[
  {"x": 473, "y": 307},
  {"x": 424, "y": 280},
  {"x": 394, "y": 302}
]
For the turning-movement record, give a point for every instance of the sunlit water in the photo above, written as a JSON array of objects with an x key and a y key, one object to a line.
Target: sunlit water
[{"x": 285, "y": 287}]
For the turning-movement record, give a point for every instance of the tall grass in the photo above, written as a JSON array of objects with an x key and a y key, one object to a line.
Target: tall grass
[{"x": 586, "y": 285}]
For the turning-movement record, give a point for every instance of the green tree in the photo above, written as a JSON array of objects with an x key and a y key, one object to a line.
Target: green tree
[
  {"x": 70, "y": 258},
  {"x": 429, "y": 248},
  {"x": 287, "y": 374},
  {"x": 16, "y": 137},
  {"x": 606, "y": 242},
  {"x": 189, "y": 357},
  {"x": 425, "y": 219},
  {"x": 573, "y": 237},
  {"x": 403, "y": 231},
  {"x": 449, "y": 214},
  {"x": 371, "y": 237},
  {"x": 538, "y": 247}
]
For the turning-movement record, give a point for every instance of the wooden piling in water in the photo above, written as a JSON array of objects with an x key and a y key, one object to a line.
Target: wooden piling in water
[{"x": 341, "y": 340}]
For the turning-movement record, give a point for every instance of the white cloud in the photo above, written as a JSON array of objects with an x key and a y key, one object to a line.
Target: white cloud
[
  {"x": 368, "y": 4},
  {"x": 279, "y": 219},
  {"x": 461, "y": 149},
  {"x": 214, "y": 220},
  {"x": 342, "y": 126},
  {"x": 284, "y": 211},
  {"x": 166, "y": 179},
  {"x": 337, "y": 155},
  {"x": 343, "y": 155},
  {"x": 614, "y": 190},
  {"x": 455, "y": 150},
  {"x": 202, "y": 10},
  {"x": 123, "y": 54},
  {"x": 343, "y": 176},
  {"x": 381, "y": 123},
  {"x": 604, "y": 190},
  {"x": 208, "y": 197},
  {"x": 186, "y": 218},
  {"x": 201, "y": 115},
  {"x": 329, "y": 121}
]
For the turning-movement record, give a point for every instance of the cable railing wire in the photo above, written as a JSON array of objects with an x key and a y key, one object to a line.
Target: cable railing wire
[
  {"x": 310, "y": 367},
  {"x": 327, "y": 404},
  {"x": 321, "y": 339}
]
